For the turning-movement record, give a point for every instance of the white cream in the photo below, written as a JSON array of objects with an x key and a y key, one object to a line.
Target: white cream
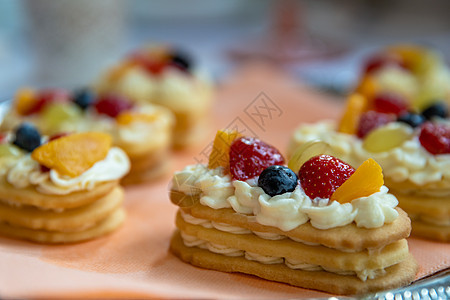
[{"x": 27, "y": 172}]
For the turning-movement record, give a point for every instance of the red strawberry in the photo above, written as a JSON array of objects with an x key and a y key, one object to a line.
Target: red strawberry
[
  {"x": 371, "y": 120},
  {"x": 321, "y": 175},
  {"x": 435, "y": 138},
  {"x": 112, "y": 105},
  {"x": 48, "y": 96},
  {"x": 152, "y": 64},
  {"x": 390, "y": 104},
  {"x": 250, "y": 156}
]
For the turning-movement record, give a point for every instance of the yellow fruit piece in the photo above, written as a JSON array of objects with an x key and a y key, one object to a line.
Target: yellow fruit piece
[
  {"x": 304, "y": 152},
  {"x": 356, "y": 105},
  {"x": 128, "y": 117},
  {"x": 368, "y": 87},
  {"x": 411, "y": 55},
  {"x": 387, "y": 137},
  {"x": 366, "y": 180},
  {"x": 220, "y": 154},
  {"x": 24, "y": 99},
  {"x": 73, "y": 154}
]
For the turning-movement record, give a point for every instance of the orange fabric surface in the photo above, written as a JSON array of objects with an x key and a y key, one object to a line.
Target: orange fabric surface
[{"x": 134, "y": 262}]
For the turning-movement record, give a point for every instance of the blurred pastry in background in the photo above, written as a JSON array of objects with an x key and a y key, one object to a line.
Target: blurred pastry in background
[
  {"x": 143, "y": 131},
  {"x": 167, "y": 77}
]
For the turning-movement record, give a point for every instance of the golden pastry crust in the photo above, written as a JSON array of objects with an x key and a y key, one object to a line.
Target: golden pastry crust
[
  {"x": 397, "y": 275},
  {"x": 430, "y": 231}
]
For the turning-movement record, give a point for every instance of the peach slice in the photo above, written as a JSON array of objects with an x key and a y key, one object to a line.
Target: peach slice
[
  {"x": 129, "y": 117},
  {"x": 356, "y": 105},
  {"x": 73, "y": 154},
  {"x": 24, "y": 100},
  {"x": 366, "y": 180},
  {"x": 220, "y": 154}
]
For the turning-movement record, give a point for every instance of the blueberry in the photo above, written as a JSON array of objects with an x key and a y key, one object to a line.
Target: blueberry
[
  {"x": 84, "y": 98},
  {"x": 181, "y": 60},
  {"x": 411, "y": 119},
  {"x": 438, "y": 109},
  {"x": 276, "y": 180},
  {"x": 27, "y": 137}
]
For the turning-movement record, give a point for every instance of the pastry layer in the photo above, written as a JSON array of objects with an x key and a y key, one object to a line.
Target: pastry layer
[
  {"x": 338, "y": 238},
  {"x": 397, "y": 275},
  {"x": 76, "y": 219},
  {"x": 107, "y": 225},
  {"x": 158, "y": 170},
  {"x": 430, "y": 231}
]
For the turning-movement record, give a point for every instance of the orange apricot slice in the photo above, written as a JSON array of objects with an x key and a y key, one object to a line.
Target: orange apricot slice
[
  {"x": 356, "y": 105},
  {"x": 129, "y": 117},
  {"x": 73, "y": 154},
  {"x": 366, "y": 180},
  {"x": 24, "y": 100},
  {"x": 368, "y": 87},
  {"x": 220, "y": 154}
]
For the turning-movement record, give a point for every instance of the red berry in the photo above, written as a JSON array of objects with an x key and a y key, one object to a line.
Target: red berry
[
  {"x": 377, "y": 62},
  {"x": 371, "y": 120},
  {"x": 435, "y": 138},
  {"x": 153, "y": 65},
  {"x": 250, "y": 156},
  {"x": 2, "y": 138},
  {"x": 112, "y": 105},
  {"x": 390, "y": 104},
  {"x": 57, "y": 136},
  {"x": 321, "y": 175},
  {"x": 48, "y": 96}
]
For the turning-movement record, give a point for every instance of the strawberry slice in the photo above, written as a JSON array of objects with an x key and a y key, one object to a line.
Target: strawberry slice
[
  {"x": 250, "y": 156},
  {"x": 321, "y": 175}
]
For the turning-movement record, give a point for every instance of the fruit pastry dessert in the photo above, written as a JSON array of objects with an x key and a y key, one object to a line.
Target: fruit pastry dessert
[
  {"x": 143, "y": 131},
  {"x": 408, "y": 136},
  {"x": 317, "y": 223},
  {"x": 62, "y": 188},
  {"x": 167, "y": 77}
]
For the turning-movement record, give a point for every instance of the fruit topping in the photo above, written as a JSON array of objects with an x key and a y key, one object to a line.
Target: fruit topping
[
  {"x": 387, "y": 137},
  {"x": 84, "y": 98},
  {"x": 356, "y": 105},
  {"x": 435, "y": 138},
  {"x": 153, "y": 61},
  {"x": 306, "y": 151},
  {"x": 57, "y": 136},
  {"x": 73, "y": 154},
  {"x": 8, "y": 151},
  {"x": 368, "y": 87},
  {"x": 390, "y": 104},
  {"x": 45, "y": 97},
  {"x": 277, "y": 180},
  {"x": 250, "y": 156},
  {"x": 376, "y": 62},
  {"x": 180, "y": 60},
  {"x": 112, "y": 105},
  {"x": 128, "y": 117},
  {"x": 412, "y": 119},
  {"x": 366, "y": 180},
  {"x": 220, "y": 153},
  {"x": 27, "y": 137},
  {"x": 321, "y": 175},
  {"x": 24, "y": 100},
  {"x": 437, "y": 109},
  {"x": 56, "y": 114},
  {"x": 371, "y": 120}
]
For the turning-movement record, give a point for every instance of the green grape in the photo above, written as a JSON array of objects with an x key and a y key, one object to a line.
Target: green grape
[
  {"x": 306, "y": 151},
  {"x": 9, "y": 153},
  {"x": 58, "y": 113},
  {"x": 386, "y": 138}
]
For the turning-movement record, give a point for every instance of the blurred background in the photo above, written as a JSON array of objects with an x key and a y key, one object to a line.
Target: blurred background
[{"x": 69, "y": 43}]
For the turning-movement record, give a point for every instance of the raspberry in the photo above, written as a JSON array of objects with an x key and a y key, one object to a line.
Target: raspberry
[
  {"x": 112, "y": 105},
  {"x": 390, "y": 104},
  {"x": 250, "y": 156},
  {"x": 48, "y": 96},
  {"x": 435, "y": 138},
  {"x": 321, "y": 175},
  {"x": 371, "y": 120}
]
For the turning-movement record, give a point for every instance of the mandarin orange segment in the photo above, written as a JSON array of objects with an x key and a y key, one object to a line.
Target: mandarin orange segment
[
  {"x": 220, "y": 154},
  {"x": 129, "y": 117},
  {"x": 356, "y": 105},
  {"x": 368, "y": 87},
  {"x": 24, "y": 100},
  {"x": 366, "y": 180},
  {"x": 73, "y": 154}
]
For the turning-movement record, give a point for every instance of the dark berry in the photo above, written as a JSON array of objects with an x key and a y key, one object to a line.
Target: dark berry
[
  {"x": 412, "y": 119},
  {"x": 277, "y": 180},
  {"x": 27, "y": 137},
  {"x": 250, "y": 156},
  {"x": 84, "y": 98},
  {"x": 112, "y": 105},
  {"x": 390, "y": 104},
  {"x": 438, "y": 109},
  {"x": 181, "y": 60},
  {"x": 435, "y": 138},
  {"x": 371, "y": 120}
]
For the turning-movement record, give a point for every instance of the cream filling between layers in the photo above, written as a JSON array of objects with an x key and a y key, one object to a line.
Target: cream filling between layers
[{"x": 192, "y": 241}]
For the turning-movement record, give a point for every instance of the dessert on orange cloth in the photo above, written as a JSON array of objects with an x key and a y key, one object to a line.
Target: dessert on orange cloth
[
  {"x": 61, "y": 189},
  {"x": 143, "y": 131},
  {"x": 404, "y": 126},
  {"x": 167, "y": 77},
  {"x": 317, "y": 224}
]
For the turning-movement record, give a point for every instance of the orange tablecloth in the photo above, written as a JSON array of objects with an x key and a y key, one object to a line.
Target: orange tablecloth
[{"x": 134, "y": 261}]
